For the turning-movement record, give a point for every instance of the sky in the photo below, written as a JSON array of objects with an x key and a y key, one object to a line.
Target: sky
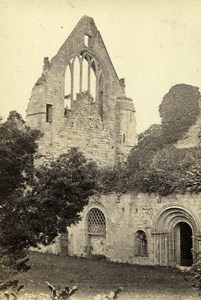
[{"x": 153, "y": 44}]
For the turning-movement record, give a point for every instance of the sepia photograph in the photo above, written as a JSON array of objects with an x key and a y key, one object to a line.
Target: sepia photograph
[{"x": 100, "y": 149}]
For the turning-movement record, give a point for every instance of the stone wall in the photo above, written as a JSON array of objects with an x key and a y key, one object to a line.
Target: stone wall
[
  {"x": 103, "y": 127},
  {"x": 127, "y": 214}
]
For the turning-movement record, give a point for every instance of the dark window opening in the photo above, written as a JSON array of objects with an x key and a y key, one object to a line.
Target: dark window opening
[
  {"x": 140, "y": 241},
  {"x": 124, "y": 138},
  {"x": 49, "y": 113}
]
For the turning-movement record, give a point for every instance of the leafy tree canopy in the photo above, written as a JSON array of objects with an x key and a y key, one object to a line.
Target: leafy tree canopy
[
  {"x": 18, "y": 144},
  {"x": 60, "y": 192},
  {"x": 179, "y": 110},
  {"x": 17, "y": 148},
  {"x": 37, "y": 204}
]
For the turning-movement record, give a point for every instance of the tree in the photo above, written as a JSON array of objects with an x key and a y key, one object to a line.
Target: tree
[
  {"x": 36, "y": 204},
  {"x": 59, "y": 193},
  {"x": 179, "y": 110},
  {"x": 149, "y": 142},
  {"x": 112, "y": 179},
  {"x": 141, "y": 156},
  {"x": 18, "y": 144},
  {"x": 155, "y": 165},
  {"x": 166, "y": 172}
]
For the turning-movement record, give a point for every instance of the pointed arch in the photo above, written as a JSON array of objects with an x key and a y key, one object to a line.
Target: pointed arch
[{"x": 86, "y": 75}]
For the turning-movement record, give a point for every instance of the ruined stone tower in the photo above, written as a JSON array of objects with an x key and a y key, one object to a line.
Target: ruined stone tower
[{"x": 79, "y": 101}]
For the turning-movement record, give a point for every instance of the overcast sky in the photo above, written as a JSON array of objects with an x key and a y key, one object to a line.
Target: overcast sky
[{"x": 153, "y": 44}]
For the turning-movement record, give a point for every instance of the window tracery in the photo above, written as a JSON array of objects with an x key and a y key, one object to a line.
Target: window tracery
[
  {"x": 96, "y": 223},
  {"x": 84, "y": 74}
]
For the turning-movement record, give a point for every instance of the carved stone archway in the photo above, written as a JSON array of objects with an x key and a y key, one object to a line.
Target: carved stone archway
[{"x": 165, "y": 238}]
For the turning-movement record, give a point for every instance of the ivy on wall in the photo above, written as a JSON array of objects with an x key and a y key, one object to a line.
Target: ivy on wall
[{"x": 155, "y": 165}]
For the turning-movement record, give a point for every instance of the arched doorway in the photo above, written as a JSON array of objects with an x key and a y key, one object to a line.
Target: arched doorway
[
  {"x": 174, "y": 237},
  {"x": 183, "y": 244}
]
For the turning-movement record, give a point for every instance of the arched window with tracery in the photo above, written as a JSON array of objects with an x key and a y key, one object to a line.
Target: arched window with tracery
[
  {"x": 96, "y": 223},
  {"x": 140, "y": 244},
  {"x": 84, "y": 74}
]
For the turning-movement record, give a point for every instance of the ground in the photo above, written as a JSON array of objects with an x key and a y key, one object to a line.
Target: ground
[{"x": 94, "y": 276}]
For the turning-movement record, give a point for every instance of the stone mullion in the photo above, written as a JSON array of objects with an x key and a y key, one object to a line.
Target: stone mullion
[
  {"x": 97, "y": 86},
  {"x": 89, "y": 75},
  {"x": 81, "y": 75}
]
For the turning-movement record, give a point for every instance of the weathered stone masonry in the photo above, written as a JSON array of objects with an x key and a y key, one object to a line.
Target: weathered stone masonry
[
  {"x": 103, "y": 127},
  {"x": 79, "y": 102},
  {"x": 156, "y": 220}
]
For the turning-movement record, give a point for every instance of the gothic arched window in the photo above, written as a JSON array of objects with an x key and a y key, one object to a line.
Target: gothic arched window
[{"x": 84, "y": 74}]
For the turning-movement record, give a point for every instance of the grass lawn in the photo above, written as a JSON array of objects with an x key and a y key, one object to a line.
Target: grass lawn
[{"x": 93, "y": 276}]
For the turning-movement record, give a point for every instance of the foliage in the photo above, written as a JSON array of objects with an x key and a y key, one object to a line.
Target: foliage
[
  {"x": 112, "y": 179},
  {"x": 17, "y": 148},
  {"x": 167, "y": 171},
  {"x": 181, "y": 167},
  {"x": 156, "y": 170},
  {"x": 36, "y": 208},
  {"x": 64, "y": 294},
  {"x": 140, "y": 158},
  {"x": 155, "y": 165},
  {"x": 149, "y": 142},
  {"x": 179, "y": 110},
  {"x": 171, "y": 170},
  {"x": 60, "y": 192},
  {"x": 11, "y": 289}
]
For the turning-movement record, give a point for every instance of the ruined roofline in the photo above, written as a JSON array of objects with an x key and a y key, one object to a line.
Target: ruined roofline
[
  {"x": 111, "y": 62},
  {"x": 103, "y": 128},
  {"x": 86, "y": 18}
]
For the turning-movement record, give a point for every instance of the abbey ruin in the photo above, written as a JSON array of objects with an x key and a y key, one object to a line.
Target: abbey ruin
[{"x": 79, "y": 101}]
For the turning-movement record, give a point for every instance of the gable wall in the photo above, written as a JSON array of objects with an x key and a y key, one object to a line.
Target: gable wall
[{"x": 99, "y": 138}]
